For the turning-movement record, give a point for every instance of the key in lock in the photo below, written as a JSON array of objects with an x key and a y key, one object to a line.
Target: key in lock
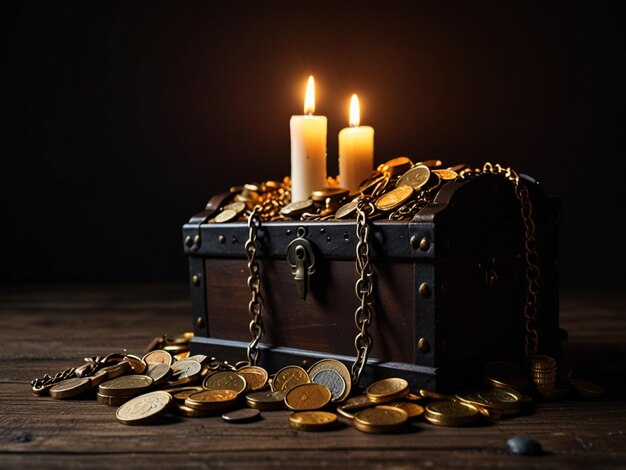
[{"x": 302, "y": 263}]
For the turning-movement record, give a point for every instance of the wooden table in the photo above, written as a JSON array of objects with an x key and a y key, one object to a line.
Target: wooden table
[{"x": 48, "y": 329}]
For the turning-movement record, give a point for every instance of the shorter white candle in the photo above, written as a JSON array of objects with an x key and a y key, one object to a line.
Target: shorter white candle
[
  {"x": 308, "y": 148},
  {"x": 356, "y": 150}
]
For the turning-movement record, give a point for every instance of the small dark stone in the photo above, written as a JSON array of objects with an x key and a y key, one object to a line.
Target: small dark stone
[
  {"x": 523, "y": 445},
  {"x": 24, "y": 437}
]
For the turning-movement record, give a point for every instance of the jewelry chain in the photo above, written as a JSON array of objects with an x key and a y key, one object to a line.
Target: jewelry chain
[{"x": 254, "y": 284}]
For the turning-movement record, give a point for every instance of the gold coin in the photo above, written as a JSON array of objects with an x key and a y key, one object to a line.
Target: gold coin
[
  {"x": 312, "y": 420},
  {"x": 288, "y": 377},
  {"x": 158, "y": 356},
  {"x": 334, "y": 193},
  {"x": 227, "y": 215},
  {"x": 354, "y": 405},
  {"x": 387, "y": 390},
  {"x": 394, "y": 198},
  {"x": 266, "y": 401},
  {"x": 337, "y": 366},
  {"x": 501, "y": 398},
  {"x": 396, "y": 166},
  {"x": 256, "y": 377},
  {"x": 238, "y": 207},
  {"x": 434, "y": 395},
  {"x": 186, "y": 371},
  {"x": 159, "y": 373},
  {"x": 432, "y": 163},
  {"x": 112, "y": 401},
  {"x": 347, "y": 210},
  {"x": 542, "y": 363},
  {"x": 307, "y": 397},
  {"x": 137, "y": 364},
  {"x": 416, "y": 177},
  {"x": 504, "y": 374},
  {"x": 450, "y": 413},
  {"x": 413, "y": 410},
  {"x": 225, "y": 379},
  {"x": 211, "y": 399},
  {"x": 446, "y": 175},
  {"x": 587, "y": 389},
  {"x": 116, "y": 370},
  {"x": 380, "y": 419},
  {"x": 297, "y": 208},
  {"x": 125, "y": 386},
  {"x": 144, "y": 408},
  {"x": 187, "y": 412},
  {"x": 69, "y": 388}
]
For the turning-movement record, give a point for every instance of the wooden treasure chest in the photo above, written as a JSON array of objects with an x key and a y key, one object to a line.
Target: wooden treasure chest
[{"x": 426, "y": 287}]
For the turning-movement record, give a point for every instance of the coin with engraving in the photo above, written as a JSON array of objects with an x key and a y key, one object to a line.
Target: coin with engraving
[
  {"x": 297, "y": 208},
  {"x": 450, "y": 413},
  {"x": 394, "y": 198},
  {"x": 211, "y": 399},
  {"x": 333, "y": 193},
  {"x": 238, "y": 207},
  {"x": 387, "y": 390},
  {"x": 69, "y": 388},
  {"x": 307, "y": 397},
  {"x": 160, "y": 373},
  {"x": 158, "y": 356},
  {"x": 331, "y": 380},
  {"x": 185, "y": 371},
  {"x": 586, "y": 388},
  {"x": 137, "y": 364},
  {"x": 256, "y": 377},
  {"x": 266, "y": 401},
  {"x": 144, "y": 408},
  {"x": 396, "y": 166},
  {"x": 125, "y": 386},
  {"x": 413, "y": 410},
  {"x": 503, "y": 374},
  {"x": 380, "y": 420},
  {"x": 288, "y": 377},
  {"x": 446, "y": 175},
  {"x": 507, "y": 399},
  {"x": 416, "y": 177},
  {"x": 312, "y": 420},
  {"x": 226, "y": 215},
  {"x": 244, "y": 415},
  {"x": 338, "y": 367},
  {"x": 225, "y": 379}
]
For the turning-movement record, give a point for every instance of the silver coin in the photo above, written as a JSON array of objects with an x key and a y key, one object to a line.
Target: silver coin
[{"x": 332, "y": 380}]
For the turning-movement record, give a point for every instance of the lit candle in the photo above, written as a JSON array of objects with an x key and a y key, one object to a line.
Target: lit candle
[
  {"x": 356, "y": 150},
  {"x": 308, "y": 148}
]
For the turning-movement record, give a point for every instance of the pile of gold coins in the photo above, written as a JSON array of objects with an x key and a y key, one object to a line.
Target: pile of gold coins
[
  {"x": 320, "y": 398},
  {"x": 397, "y": 189}
]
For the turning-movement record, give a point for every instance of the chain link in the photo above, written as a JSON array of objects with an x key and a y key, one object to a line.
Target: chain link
[
  {"x": 254, "y": 284},
  {"x": 363, "y": 288}
]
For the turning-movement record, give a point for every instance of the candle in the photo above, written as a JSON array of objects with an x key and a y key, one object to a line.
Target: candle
[
  {"x": 356, "y": 150},
  {"x": 308, "y": 148}
]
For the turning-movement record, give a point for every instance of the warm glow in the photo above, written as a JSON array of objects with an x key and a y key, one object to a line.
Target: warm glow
[
  {"x": 355, "y": 111},
  {"x": 309, "y": 97}
]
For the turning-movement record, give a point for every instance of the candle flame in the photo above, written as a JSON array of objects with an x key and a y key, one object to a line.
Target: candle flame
[
  {"x": 309, "y": 97},
  {"x": 355, "y": 111}
]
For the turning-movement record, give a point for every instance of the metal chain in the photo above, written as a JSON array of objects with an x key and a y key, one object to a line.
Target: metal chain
[
  {"x": 363, "y": 289},
  {"x": 254, "y": 284}
]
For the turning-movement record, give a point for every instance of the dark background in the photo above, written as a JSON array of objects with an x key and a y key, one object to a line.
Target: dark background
[{"x": 121, "y": 119}]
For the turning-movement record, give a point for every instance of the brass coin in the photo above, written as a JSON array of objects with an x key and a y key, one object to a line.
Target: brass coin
[
  {"x": 587, "y": 389},
  {"x": 354, "y": 405},
  {"x": 434, "y": 395},
  {"x": 69, "y": 388},
  {"x": 288, "y": 377},
  {"x": 387, "y": 390},
  {"x": 380, "y": 419},
  {"x": 256, "y": 377},
  {"x": 137, "y": 364},
  {"x": 413, "y": 410},
  {"x": 332, "y": 380},
  {"x": 211, "y": 399},
  {"x": 297, "y": 208},
  {"x": 241, "y": 416},
  {"x": 307, "y": 397},
  {"x": 312, "y": 420},
  {"x": 190, "y": 412},
  {"x": 396, "y": 166},
  {"x": 338, "y": 367},
  {"x": 97, "y": 378},
  {"x": 238, "y": 207},
  {"x": 112, "y": 401},
  {"x": 432, "y": 163},
  {"x": 125, "y": 386},
  {"x": 394, "y": 198},
  {"x": 160, "y": 373},
  {"x": 181, "y": 396},
  {"x": 158, "y": 356},
  {"x": 446, "y": 175},
  {"x": 504, "y": 374},
  {"x": 116, "y": 370},
  {"x": 348, "y": 210},
  {"x": 227, "y": 215},
  {"x": 501, "y": 398},
  {"x": 186, "y": 371},
  {"x": 416, "y": 177},
  {"x": 266, "y": 401},
  {"x": 144, "y": 408},
  {"x": 333, "y": 193},
  {"x": 225, "y": 380},
  {"x": 450, "y": 413}
]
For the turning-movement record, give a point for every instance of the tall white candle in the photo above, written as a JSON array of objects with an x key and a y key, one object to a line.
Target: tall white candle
[
  {"x": 308, "y": 148},
  {"x": 356, "y": 150}
]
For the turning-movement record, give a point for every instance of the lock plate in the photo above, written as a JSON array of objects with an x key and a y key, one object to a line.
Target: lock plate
[{"x": 301, "y": 261}]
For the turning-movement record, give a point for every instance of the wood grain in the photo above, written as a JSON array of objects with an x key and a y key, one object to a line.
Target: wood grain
[{"x": 47, "y": 329}]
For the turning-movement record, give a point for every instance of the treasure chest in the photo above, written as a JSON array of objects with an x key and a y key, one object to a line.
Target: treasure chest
[{"x": 427, "y": 288}]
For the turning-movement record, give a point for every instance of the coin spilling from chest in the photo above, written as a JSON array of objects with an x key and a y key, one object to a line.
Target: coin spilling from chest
[
  {"x": 394, "y": 198},
  {"x": 337, "y": 367},
  {"x": 380, "y": 419},
  {"x": 158, "y": 356},
  {"x": 312, "y": 420},
  {"x": 288, "y": 377},
  {"x": 144, "y": 408},
  {"x": 256, "y": 377},
  {"x": 415, "y": 178},
  {"x": 308, "y": 396},
  {"x": 125, "y": 386},
  {"x": 387, "y": 390},
  {"x": 225, "y": 380},
  {"x": 211, "y": 399}
]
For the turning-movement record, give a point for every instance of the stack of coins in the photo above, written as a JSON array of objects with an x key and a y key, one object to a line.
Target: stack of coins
[
  {"x": 118, "y": 391},
  {"x": 543, "y": 372}
]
